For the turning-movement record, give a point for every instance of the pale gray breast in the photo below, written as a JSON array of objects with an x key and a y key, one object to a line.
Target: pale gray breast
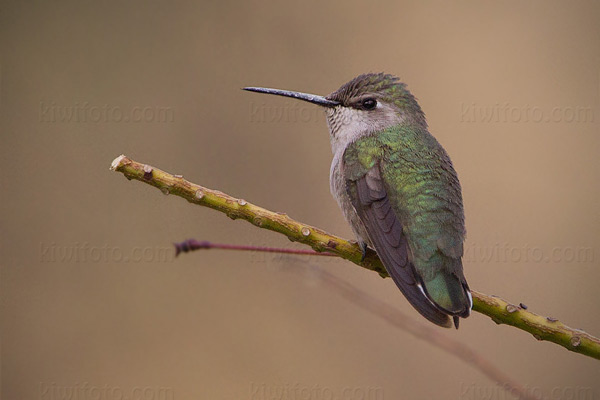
[
  {"x": 337, "y": 185},
  {"x": 347, "y": 125}
]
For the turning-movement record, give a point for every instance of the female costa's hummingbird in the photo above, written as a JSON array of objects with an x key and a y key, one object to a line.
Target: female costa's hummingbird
[{"x": 398, "y": 190}]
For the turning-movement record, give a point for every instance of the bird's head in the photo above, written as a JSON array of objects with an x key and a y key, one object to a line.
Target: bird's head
[{"x": 368, "y": 103}]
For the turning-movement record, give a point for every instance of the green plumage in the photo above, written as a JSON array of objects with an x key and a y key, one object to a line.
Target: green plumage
[
  {"x": 397, "y": 189},
  {"x": 425, "y": 195}
]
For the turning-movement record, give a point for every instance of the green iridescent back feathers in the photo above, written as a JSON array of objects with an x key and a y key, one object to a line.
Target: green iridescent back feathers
[{"x": 423, "y": 189}]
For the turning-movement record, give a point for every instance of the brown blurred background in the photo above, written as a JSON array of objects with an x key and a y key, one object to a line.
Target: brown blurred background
[{"x": 94, "y": 303}]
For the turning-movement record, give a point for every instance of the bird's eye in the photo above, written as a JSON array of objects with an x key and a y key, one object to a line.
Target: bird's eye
[{"x": 369, "y": 103}]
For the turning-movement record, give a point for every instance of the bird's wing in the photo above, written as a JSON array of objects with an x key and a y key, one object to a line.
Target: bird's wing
[{"x": 367, "y": 191}]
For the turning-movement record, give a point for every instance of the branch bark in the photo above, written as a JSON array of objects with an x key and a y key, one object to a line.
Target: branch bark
[{"x": 499, "y": 310}]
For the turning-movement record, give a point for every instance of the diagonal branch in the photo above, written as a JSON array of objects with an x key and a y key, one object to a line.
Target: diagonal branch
[{"x": 499, "y": 310}]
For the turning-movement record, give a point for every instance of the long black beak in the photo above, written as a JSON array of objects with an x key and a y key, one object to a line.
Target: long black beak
[{"x": 311, "y": 98}]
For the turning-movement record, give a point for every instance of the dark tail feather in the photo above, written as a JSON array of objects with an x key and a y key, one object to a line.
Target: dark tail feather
[
  {"x": 450, "y": 293},
  {"x": 417, "y": 297}
]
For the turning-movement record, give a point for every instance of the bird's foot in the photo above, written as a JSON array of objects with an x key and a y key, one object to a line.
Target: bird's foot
[{"x": 363, "y": 250}]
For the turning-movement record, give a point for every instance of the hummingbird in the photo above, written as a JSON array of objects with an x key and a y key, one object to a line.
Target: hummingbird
[{"x": 398, "y": 190}]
